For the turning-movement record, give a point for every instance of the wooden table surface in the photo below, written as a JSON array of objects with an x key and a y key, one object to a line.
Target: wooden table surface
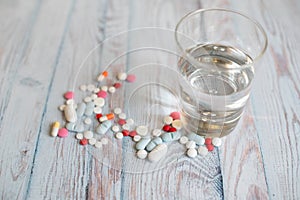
[{"x": 42, "y": 41}]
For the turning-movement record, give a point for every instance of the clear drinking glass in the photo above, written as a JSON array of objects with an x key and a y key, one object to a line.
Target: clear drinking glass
[{"x": 219, "y": 49}]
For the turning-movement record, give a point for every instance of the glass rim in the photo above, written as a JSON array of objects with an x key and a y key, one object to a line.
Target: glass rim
[{"x": 195, "y": 12}]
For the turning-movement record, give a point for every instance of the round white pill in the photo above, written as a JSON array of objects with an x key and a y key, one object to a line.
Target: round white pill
[
  {"x": 104, "y": 88},
  {"x": 192, "y": 153},
  {"x": 99, "y": 102},
  {"x": 70, "y": 101},
  {"x": 115, "y": 128},
  {"x": 168, "y": 120},
  {"x": 177, "y": 124},
  {"x": 79, "y": 136},
  {"x": 217, "y": 142},
  {"x": 87, "y": 121},
  {"x": 183, "y": 140},
  {"x": 190, "y": 144},
  {"x": 142, "y": 154},
  {"x": 104, "y": 141},
  {"x": 98, "y": 144},
  {"x": 142, "y": 130},
  {"x": 125, "y": 127},
  {"x": 94, "y": 96},
  {"x": 88, "y": 134},
  {"x": 130, "y": 121},
  {"x": 97, "y": 110},
  {"x": 156, "y": 132},
  {"x": 92, "y": 141},
  {"x": 90, "y": 87},
  {"x": 96, "y": 90},
  {"x": 202, "y": 150},
  {"x": 112, "y": 89},
  {"x": 82, "y": 88},
  {"x": 87, "y": 99},
  {"x": 117, "y": 111},
  {"x": 62, "y": 107},
  {"x": 119, "y": 135},
  {"x": 137, "y": 138},
  {"x": 122, "y": 116},
  {"x": 122, "y": 76}
]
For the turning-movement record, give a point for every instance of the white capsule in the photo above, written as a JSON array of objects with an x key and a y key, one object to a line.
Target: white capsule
[
  {"x": 62, "y": 107},
  {"x": 99, "y": 101},
  {"x": 79, "y": 136},
  {"x": 55, "y": 128},
  {"x": 217, "y": 142},
  {"x": 183, "y": 140},
  {"x": 142, "y": 130},
  {"x": 156, "y": 132},
  {"x": 142, "y": 154},
  {"x": 104, "y": 88},
  {"x": 104, "y": 141},
  {"x": 190, "y": 145},
  {"x": 70, "y": 113},
  {"x": 92, "y": 141},
  {"x": 115, "y": 128},
  {"x": 192, "y": 153},
  {"x": 119, "y": 135},
  {"x": 168, "y": 120},
  {"x": 202, "y": 150},
  {"x": 137, "y": 138},
  {"x": 112, "y": 89},
  {"x": 83, "y": 88},
  {"x": 90, "y": 87},
  {"x": 122, "y": 116},
  {"x": 87, "y": 121},
  {"x": 130, "y": 121},
  {"x": 88, "y": 134},
  {"x": 122, "y": 76}
]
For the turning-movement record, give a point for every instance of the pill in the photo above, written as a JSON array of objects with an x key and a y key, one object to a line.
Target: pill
[
  {"x": 192, "y": 152},
  {"x": 119, "y": 135},
  {"x": 94, "y": 96},
  {"x": 75, "y": 127},
  {"x": 121, "y": 122},
  {"x": 70, "y": 126},
  {"x": 142, "y": 154},
  {"x": 99, "y": 101},
  {"x": 122, "y": 116},
  {"x": 117, "y": 111},
  {"x": 97, "y": 110},
  {"x": 172, "y": 129},
  {"x": 117, "y": 85},
  {"x": 177, "y": 124},
  {"x": 176, "y": 135},
  {"x": 190, "y": 144},
  {"x": 80, "y": 109},
  {"x": 122, "y": 76},
  {"x": 175, "y": 115},
  {"x": 197, "y": 138},
  {"x": 137, "y": 138},
  {"x": 158, "y": 152},
  {"x": 104, "y": 127},
  {"x": 87, "y": 99},
  {"x": 83, "y": 141},
  {"x": 132, "y": 133},
  {"x": 89, "y": 110},
  {"x": 156, "y": 132},
  {"x": 83, "y": 87},
  {"x": 69, "y": 95},
  {"x": 104, "y": 141},
  {"x": 157, "y": 140},
  {"x": 104, "y": 88},
  {"x": 98, "y": 144},
  {"x": 102, "y": 94},
  {"x": 63, "y": 132},
  {"x": 55, "y": 128},
  {"x": 210, "y": 147},
  {"x": 217, "y": 142},
  {"x": 62, "y": 107},
  {"x": 142, "y": 130},
  {"x": 183, "y": 140},
  {"x": 70, "y": 113},
  {"x": 79, "y": 136},
  {"x": 202, "y": 150},
  {"x": 167, "y": 137},
  {"x": 130, "y": 78},
  {"x": 92, "y": 141},
  {"x": 168, "y": 120},
  {"x": 125, "y": 132},
  {"x": 112, "y": 89},
  {"x": 87, "y": 121},
  {"x": 90, "y": 87},
  {"x": 115, "y": 128},
  {"x": 96, "y": 90},
  {"x": 130, "y": 121},
  {"x": 98, "y": 115},
  {"x": 142, "y": 143},
  {"x": 70, "y": 101},
  {"x": 88, "y": 134},
  {"x": 102, "y": 76},
  {"x": 150, "y": 146},
  {"x": 125, "y": 127},
  {"x": 109, "y": 116},
  {"x": 207, "y": 141},
  {"x": 166, "y": 127}
]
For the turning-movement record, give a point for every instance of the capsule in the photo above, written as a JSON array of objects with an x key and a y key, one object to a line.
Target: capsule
[
  {"x": 102, "y": 76},
  {"x": 55, "y": 128},
  {"x": 107, "y": 117}
]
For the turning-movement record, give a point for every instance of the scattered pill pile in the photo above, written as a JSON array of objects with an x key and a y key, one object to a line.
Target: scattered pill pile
[{"x": 151, "y": 144}]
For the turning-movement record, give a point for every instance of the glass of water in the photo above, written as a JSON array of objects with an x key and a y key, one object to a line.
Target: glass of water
[{"x": 219, "y": 49}]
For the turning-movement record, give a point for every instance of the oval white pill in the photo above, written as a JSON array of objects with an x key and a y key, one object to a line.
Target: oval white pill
[
  {"x": 217, "y": 142},
  {"x": 97, "y": 110},
  {"x": 156, "y": 132},
  {"x": 202, "y": 150},
  {"x": 62, "y": 107},
  {"x": 125, "y": 127},
  {"x": 130, "y": 121},
  {"x": 88, "y": 134},
  {"x": 190, "y": 145},
  {"x": 117, "y": 111},
  {"x": 122, "y": 76},
  {"x": 115, "y": 128},
  {"x": 112, "y": 89},
  {"x": 158, "y": 152},
  {"x": 119, "y": 135},
  {"x": 87, "y": 99},
  {"x": 92, "y": 141},
  {"x": 104, "y": 88},
  {"x": 79, "y": 136},
  {"x": 122, "y": 116},
  {"x": 142, "y": 154},
  {"x": 87, "y": 121},
  {"x": 90, "y": 87},
  {"x": 168, "y": 120},
  {"x": 177, "y": 124},
  {"x": 137, "y": 138},
  {"x": 99, "y": 102},
  {"x": 192, "y": 153},
  {"x": 104, "y": 141},
  {"x": 83, "y": 88},
  {"x": 183, "y": 140},
  {"x": 142, "y": 130},
  {"x": 94, "y": 96},
  {"x": 98, "y": 144},
  {"x": 70, "y": 113}
]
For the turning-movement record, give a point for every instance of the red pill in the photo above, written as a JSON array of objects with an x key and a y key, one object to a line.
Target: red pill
[
  {"x": 132, "y": 133},
  {"x": 102, "y": 94},
  {"x": 98, "y": 116},
  {"x": 83, "y": 141},
  {"x": 125, "y": 132},
  {"x": 69, "y": 95},
  {"x": 122, "y": 122},
  {"x": 117, "y": 85},
  {"x": 207, "y": 140},
  {"x": 175, "y": 115},
  {"x": 166, "y": 127},
  {"x": 210, "y": 147},
  {"x": 172, "y": 129}
]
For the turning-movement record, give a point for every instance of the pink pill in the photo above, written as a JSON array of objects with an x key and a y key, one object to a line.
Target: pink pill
[
  {"x": 63, "y": 132},
  {"x": 175, "y": 115},
  {"x": 69, "y": 95},
  {"x": 102, "y": 94},
  {"x": 130, "y": 78},
  {"x": 117, "y": 85}
]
